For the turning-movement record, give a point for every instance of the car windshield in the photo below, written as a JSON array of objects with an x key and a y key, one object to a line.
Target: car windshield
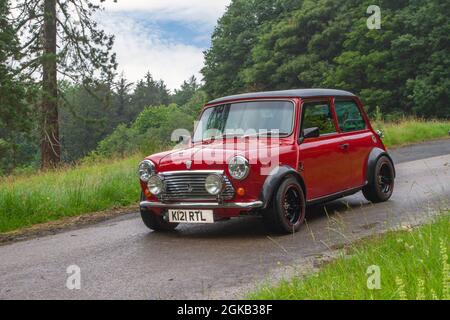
[{"x": 246, "y": 118}]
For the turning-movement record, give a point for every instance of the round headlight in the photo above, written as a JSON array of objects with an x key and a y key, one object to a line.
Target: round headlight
[
  {"x": 214, "y": 184},
  {"x": 146, "y": 169},
  {"x": 155, "y": 185},
  {"x": 239, "y": 168}
]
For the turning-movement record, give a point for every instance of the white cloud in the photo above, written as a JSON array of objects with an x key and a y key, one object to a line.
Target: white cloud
[
  {"x": 197, "y": 11},
  {"x": 140, "y": 49}
]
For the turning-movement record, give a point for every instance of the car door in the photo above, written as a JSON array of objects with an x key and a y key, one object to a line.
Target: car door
[
  {"x": 357, "y": 136},
  {"x": 324, "y": 158}
]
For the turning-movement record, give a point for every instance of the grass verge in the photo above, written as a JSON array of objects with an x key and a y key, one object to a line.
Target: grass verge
[
  {"x": 410, "y": 131},
  {"x": 104, "y": 184},
  {"x": 413, "y": 264},
  {"x": 48, "y": 196}
]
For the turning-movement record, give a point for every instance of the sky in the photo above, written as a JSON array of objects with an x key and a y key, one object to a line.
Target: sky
[{"x": 165, "y": 37}]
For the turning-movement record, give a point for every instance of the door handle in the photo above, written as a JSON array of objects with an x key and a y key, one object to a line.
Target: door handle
[{"x": 345, "y": 146}]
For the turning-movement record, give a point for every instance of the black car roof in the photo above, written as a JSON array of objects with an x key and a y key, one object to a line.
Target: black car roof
[{"x": 299, "y": 93}]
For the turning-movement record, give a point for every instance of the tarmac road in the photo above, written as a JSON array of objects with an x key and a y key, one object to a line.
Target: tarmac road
[{"x": 121, "y": 259}]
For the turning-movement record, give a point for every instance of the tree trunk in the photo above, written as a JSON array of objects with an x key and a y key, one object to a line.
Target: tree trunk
[{"x": 50, "y": 144}]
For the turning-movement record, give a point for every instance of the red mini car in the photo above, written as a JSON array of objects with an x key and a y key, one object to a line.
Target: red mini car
[{"x": 271, "y": 154}]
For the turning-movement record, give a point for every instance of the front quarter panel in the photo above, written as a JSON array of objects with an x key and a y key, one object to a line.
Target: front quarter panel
[
  {"x": 274, "y": 180},
  {"x": 374, "y": 155}
]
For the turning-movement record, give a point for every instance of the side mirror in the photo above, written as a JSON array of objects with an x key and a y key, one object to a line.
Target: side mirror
[
  {"x": 311, "y": 133},
  {"x": 184, "y": 140},
  {"x": 380, "y": 133}
]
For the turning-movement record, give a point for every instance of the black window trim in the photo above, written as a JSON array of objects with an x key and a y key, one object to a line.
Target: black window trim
[
  {"x": 360, "y": 112},
  {"x": 327, "y": 100},
  {"x": 291, "y": 100}
]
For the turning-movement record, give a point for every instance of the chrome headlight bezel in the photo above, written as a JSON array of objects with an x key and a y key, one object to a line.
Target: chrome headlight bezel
[
  {"x": 239, "y": 168},
  {"x": 214, "y": 184},
  {"x": 155, "y": 185},
  {"x": 146, "y": 169}
]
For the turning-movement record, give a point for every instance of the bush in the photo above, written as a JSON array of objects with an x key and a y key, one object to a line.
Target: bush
[{"x": 152, "y": 129}]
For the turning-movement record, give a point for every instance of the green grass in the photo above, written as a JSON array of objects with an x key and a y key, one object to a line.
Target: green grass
[
  {"x": 413, "y": 264},
  {"x": 102, "y": 184},
  {"x": 409, "y": 131},
  {"x": 43, "y": 197}
]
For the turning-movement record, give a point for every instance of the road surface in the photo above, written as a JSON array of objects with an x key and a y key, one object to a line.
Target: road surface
[{"x": 121, "y": 259}]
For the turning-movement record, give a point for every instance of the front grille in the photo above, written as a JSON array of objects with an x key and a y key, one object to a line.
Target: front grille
[{"x": 190, "y": 186}]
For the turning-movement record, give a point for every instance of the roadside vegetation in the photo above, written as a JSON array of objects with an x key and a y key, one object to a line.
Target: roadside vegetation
[
  {"x": 414, "y": 264},
  {"x": 32, "y": 199},
  {"x": 409, "y": 131}
]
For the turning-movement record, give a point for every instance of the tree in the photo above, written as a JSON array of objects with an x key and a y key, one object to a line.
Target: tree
[
  {"x": 61, "y": 37},
  {"x": 15, "y": 111},
  {"x": 195, "y": 104},
  {"x": 148, "y": 92},
  {"x": 296, "y": 51},
  {"x": 186, "y": 92},
  {"x": 232, "y": 41},
  {"x": 122, "y": 100},
  {"x": 85, "y": 118},
  {"x": 402, "y": 67}
]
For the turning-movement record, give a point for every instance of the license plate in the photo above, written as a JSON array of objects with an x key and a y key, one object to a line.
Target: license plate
[{"x": 191, "y": 216}]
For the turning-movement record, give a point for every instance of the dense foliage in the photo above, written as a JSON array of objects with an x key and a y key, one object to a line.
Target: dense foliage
[
  {"x": 90, "y": 114},
  {"x": 152, "y": 129},
  {"x": 402, "y": 67},
  {"x": 15, "y": 123}
]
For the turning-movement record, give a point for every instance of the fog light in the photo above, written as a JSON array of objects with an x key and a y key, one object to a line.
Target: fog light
[
  {"x": 155, "y": 185},
  {"x": 214, "y": 184}
]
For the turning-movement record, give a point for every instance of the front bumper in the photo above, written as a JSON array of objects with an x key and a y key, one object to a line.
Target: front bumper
[{"x": 202, "y": 205}]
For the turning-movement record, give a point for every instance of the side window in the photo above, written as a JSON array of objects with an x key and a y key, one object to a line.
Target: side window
[
  {"x": 349, "y": 116},
  {"x": 318, "y": 114}
]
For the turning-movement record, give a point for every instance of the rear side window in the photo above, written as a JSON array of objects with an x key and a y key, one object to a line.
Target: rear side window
[
  {"x": 318, "y": 114},
  {"x": 349, "y": 116}
]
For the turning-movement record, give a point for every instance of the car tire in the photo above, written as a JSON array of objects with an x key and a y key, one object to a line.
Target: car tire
[
  {"x": 381, "y": 186},
  {"x": 286, "y": 212},
  {"x": 156, "y": 222}
]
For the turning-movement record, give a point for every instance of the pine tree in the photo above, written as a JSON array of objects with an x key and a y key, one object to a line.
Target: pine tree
[
  {"x": 122, "y": 100},
  {"x": 62, "y": 38},
  {"x": 186, "y": 91},
  {"x": 14, "y": 108}
]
